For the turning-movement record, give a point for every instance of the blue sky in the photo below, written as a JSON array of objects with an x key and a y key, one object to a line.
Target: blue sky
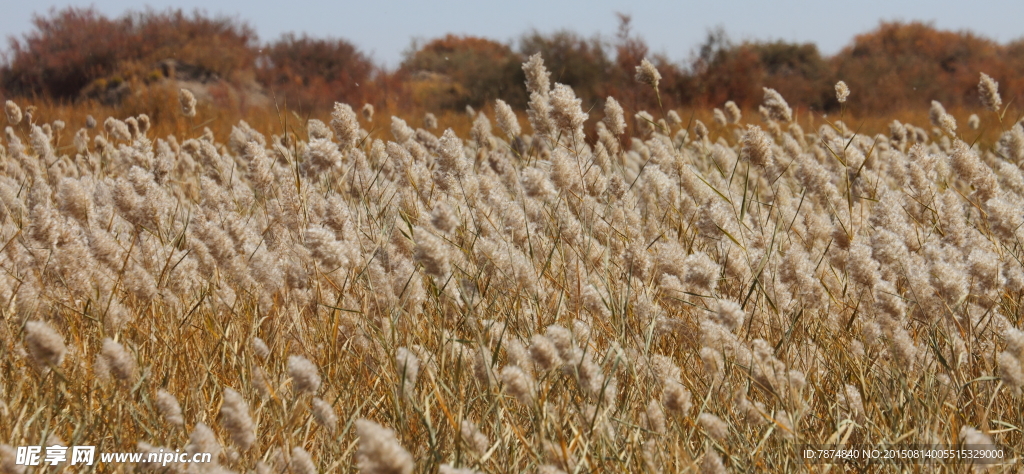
[{"x": 385, "y": 28}]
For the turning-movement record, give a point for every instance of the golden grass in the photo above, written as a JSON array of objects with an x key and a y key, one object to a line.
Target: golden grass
[{"x": 466, "y": 258}]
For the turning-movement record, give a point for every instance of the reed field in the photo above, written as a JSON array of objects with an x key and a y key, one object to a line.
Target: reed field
[{"x": 529, "y": 295}]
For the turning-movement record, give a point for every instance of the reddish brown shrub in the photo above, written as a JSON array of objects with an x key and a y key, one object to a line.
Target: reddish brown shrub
[
  {"x": 314, "y": 73},
  {"x": 455, "y": 71},
  {"x": 910, "y": 64},
  {"x": 71, "y": 48}
]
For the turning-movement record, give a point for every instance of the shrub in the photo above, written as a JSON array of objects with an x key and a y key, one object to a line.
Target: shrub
[
  {"x": 71, "y": 48},
  {"x": 309, "y": 72},
  {"x": 905, "y": 64},
  {"x": 456, "y": 71},
  {"x": 738, "y": 72}
]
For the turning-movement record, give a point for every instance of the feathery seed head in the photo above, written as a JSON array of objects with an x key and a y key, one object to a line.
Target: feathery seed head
[
  {"x": 676, "y": 398},
  {"x": 507, "y": 120},
  {"x": 345, "y": 125},
  {"x": 1011, "y": 371},
  {"x": 544, "y": 353},
  {"x": 117, "y": 129},
  {"x": 9, "y": 460},
  {"x": 538, "y": 79},
  {"x": 646, "y": 73},
  {"x": 712, "y": 358},
  {"x": 850, "y": 402},
  {"x": 260, "y": 348},
  {"x": 729, "y": 314},
  {"x": 237, "y": 422},
  {"x": 614, "y": 117},
  {"x": 118, "y": 361},
  {"x": 401, "y": 131},
  {"x": 13, "y": 112},
  {"x": 304, "y": 374},
  {"x": 719, "y": 117},
  {"x": 665, "y": 369},
  {"x": 539, "y": 114},
  {"x": 732, "y": 112},
  {"x": 518, "y": 383},
  {"x": 431, "y": 252},
  {"x": 44, "y": 344},
  {"x": 712, "y": 463},
  {"x": 940, "y": 118},
  {"x": 701, "y": 272},
  {"x": 988, "y": 91},
  {"x": 970, "y": 436},
  {"x": 444, "y": 218},
  {"x": 474, "y": 438},
  {"x": 318, "y": 129},
  {"x": 974, "y": 122},
  {"x": 301, "y": 462},
  {"x": 321, "y": 156},
  {"x": 260, "y": 382},
  {"x": 451, "y": 155},
  {"x": 81, "y": 141},
  {"x": 673, "y": 118},
  {"x": 713, "y": 426},
  {"x": 408, "y": 366},
  {"x": 1014, "y": 342},
  {"x": 566, "y": 111},
  {"x": 897, "y": 132},
  {"x": 562, "y": 338},
  {"x": 480, "y": 132},
  {"x": 776, "y": 107},
  {"x": 144, "y": 123},
  {"x": 188, "y": 102},
  {"x": 655, "y": 417},
  {"x": 1011, "y": 143},
  {"x": 324, "y": 414},
  {"x": 169, "y": 407},
  {"x": 967, "y": 165},
  {"x": 203, "y": 440},
  {"x": 133, "y": 127},
  {"x": 379, "y": 450},
  {"x": 842, "y": 92},
  {"x": 430, "y": 121},
  {"x": 700, "y": 131},
  {"x": 757, "y": 147}
]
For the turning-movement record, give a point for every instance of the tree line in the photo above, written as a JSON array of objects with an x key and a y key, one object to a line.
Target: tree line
[{"x": 79, "y": 54}]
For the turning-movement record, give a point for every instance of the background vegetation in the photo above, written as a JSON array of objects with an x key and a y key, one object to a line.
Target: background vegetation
[
  {"x": 572, "y": 285},
  {"x": 82, "y": 58}
]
